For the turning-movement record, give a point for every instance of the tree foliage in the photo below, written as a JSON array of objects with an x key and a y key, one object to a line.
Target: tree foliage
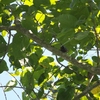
[{"x": 70, "y": 29}]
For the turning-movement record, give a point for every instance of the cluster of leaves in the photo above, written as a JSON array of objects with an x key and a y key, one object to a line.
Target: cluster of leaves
[{"x": 60, "y": 24}]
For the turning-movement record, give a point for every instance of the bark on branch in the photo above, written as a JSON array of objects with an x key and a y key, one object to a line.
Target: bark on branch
[{"x": 31, "y": 35}]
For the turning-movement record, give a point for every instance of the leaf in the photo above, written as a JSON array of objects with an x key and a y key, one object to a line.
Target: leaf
[
  {"x": 81, "y": 35},
  {"x": 25, "y": 96},
  {"x": 10, "y": 85},
  {"x": 68, "y": 71},
  {"x": 3, "y": 46},
  {"x": 41, "y": 92},
  {"x": 7, "y": 1},
  {"x": 5, "y": 20},
  {"x": 38, "y": 73},
  {"x": 2, "y": 40},
  {"x": 3, "y": 66},
  {"x": 38, "y": 3},
  {"x": 29, "y": 24},
  {"x": 40, "y": 17},
  {"x": 89, "y": 61},
  {"x": 45, "y": 61},
  {"x": 68, "y": 33},
  {"x": 41, "y": 78},
  {"x": 96, "y": 90},
  {"x": 60, "y": 81},
  {"x": 66, "y": 93},
  {"x": 95, "y": 58},
  {"x": 27, "y": 76},
  {"x": 98, "y": 29},
  {"x": 60, "y": 59},
  {"x": 53, "y": 2},
  {"x": 78, "y": 79},
  {"x": 67, "y": 21},
  {"x": 19, "y": 45},
  {"x": 4, "y": 33},
  {"x": 84, "y": 98},
  {"x": 3, "y": 49},
  {"x": 27, "y": 79},
  {"x": 29, "y": 3}
]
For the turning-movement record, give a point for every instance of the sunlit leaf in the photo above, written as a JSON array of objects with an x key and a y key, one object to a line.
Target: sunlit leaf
[
  {"x": 53, "y": 2},
  {"x": 45, "y": 61},
  {"x": 96, "y": 90},
  {"x": 40, "y": 17},
  {"x": 84, "y": 98},
  {"x": 4, "y": 33},
  {"x": 98, "y": 29},
  {"x": 89, "y": 62},
  {"x": 10, "y": 85},
  {"x": 28, "y": 2}
]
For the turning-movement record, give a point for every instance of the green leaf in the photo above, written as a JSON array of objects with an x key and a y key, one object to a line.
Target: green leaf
[
  {"x": 25, "y": 96},
  {"x": 2, "y": 40},
  {"x": 79, "y": 58},
  {"x": 5, "y": 20},
  {"x": 29, "y": 24},
  {"x": 69, "y": 33},
  {"x": 68, "y": 71},
  {"x": 41, "y": 78},
  {"x": 78, "y": 79},
  {"x": 27, "y": 79},
  {"x": 60, "y": 59},
  {"x": 19, "y": 45},
  {"x": 3, "y": 48},
  {"x": 41, "y": 92},
  {"x": 38, "y": 73},
  {"x": 39, "y": 2},
  {"x": 95, "y": 58},
  {"x": 10, "y": 85},
  {"x": 60, "y": 81},
  {"x": 3, "y": 66},
  {"x": 7, "y": 1},
  {"x": 27, "y": 76},
  {"x": 33, "y": 59},
  {"x": 66, "y": 93},
  {"x": 81, "y": 35},
  {"x": 67, "y": 21}
]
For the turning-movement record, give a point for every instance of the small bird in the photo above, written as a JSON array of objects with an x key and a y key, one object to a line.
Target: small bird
[{"x": 63, "y": 49}]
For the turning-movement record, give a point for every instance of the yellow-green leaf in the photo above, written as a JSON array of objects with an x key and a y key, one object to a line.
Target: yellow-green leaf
[
  {"x": 40, "y": 17},
  {"x": 4, "y": 33}
]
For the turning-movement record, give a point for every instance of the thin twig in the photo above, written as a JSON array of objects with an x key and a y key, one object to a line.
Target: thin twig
[
  {"x": 17, "y": 81},
  {"x": 4, "y": 92},
  {"x": 12, "y": 86},
  {"x": 16, "y": 94},
  {"x": 66, "y": 66}
]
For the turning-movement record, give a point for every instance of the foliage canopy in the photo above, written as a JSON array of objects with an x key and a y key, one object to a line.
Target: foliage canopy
[{"x": 70, "y": 29}]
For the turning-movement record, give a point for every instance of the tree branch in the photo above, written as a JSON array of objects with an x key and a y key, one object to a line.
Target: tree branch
[
  {"x": 88, "y": 89},
  {"x": 12, "y": 86},
  {"x": 94, "y": 29},
  {"x": 32, "y": 36}
]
